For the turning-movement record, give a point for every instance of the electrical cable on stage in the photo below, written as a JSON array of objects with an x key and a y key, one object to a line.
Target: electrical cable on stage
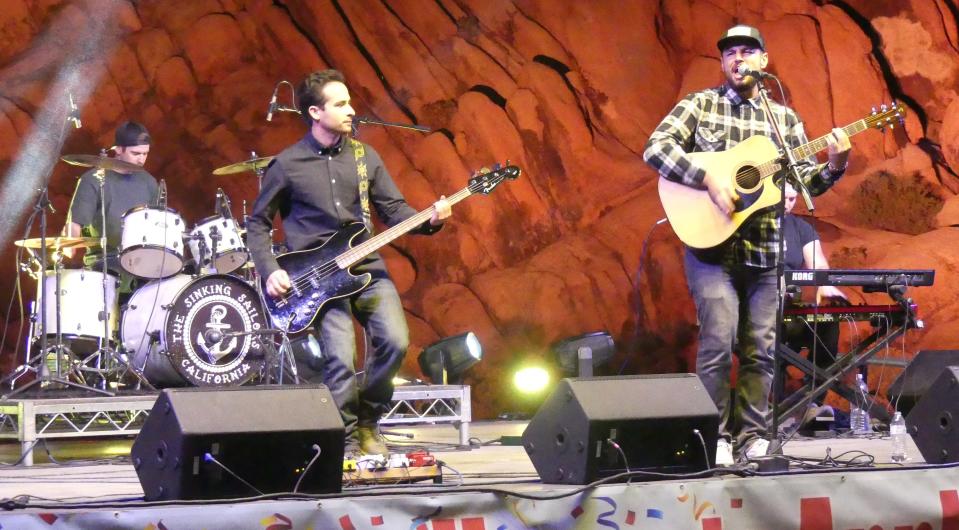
[{"x": 306, "y": 470}]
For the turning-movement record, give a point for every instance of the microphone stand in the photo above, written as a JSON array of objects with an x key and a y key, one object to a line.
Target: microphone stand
[
  {"x": 43, "y": 373},
  {"x": 372, "y": 121},
  {"x": 788, "y": 162}
]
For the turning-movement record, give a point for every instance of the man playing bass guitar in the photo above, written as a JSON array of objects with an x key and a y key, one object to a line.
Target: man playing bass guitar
[
  {"x": 319, "y": 185},
  {"x": 734, "y": 284}
]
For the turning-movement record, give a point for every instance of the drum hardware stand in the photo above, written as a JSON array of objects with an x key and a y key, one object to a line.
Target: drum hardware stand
[
  {"x": 44, "y": 378},
  {"x": 205, "y": 266},
  {"x": 105, "y": 353},
  {"x": 214, "y": 237},
  {"x": 279, "y": 357}
]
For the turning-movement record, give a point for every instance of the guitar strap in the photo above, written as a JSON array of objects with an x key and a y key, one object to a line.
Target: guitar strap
[{"x": 359, "y": 153}]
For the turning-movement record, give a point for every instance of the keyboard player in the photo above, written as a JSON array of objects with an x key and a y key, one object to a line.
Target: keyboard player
[{"x": 804, "y": 251}]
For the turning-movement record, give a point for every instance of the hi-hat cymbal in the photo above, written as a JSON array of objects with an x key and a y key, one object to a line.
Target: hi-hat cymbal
[
  {"x": 253, "y": 164},
  {"x": 100, "y": 162},
  {"x": 54, "y": 243}
]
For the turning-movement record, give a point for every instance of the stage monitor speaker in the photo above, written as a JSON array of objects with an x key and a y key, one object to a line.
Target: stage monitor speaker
[
  {"x": 264, "y": 435},
  {"x": 933, "y": 421},
  {"x": 914, "y": 380},
  {"x": 653, "y": 419}
]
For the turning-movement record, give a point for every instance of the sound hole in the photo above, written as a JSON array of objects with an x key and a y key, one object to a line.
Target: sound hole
[{"x": 747, "y": 177}]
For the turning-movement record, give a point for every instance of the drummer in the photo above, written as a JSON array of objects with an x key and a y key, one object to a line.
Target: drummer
[{"x": 122, "y": 191}]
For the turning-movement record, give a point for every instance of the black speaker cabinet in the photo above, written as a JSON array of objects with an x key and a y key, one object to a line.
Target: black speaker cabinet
[
  {"x": 914, "y": 381},
  {"x": 933, "y": 421},
  {"x": 653, "y": 419},
  {"x": 264, "y": 435}
]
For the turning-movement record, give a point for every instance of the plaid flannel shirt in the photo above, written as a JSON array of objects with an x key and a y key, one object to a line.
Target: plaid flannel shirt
[{"x": 717, "y": 119}]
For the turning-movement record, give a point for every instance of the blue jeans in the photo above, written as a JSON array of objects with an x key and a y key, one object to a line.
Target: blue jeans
[
  {"x": 379, "y": 310},
  {"x": 735, "y": 303}
]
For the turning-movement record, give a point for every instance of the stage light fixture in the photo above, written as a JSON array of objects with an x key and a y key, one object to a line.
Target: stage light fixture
[
  {"x": 577, "y": 356},
  {"x": 447, "y": 360}
]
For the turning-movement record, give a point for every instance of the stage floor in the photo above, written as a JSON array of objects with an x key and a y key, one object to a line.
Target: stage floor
[{"x": 100, "y": 469}]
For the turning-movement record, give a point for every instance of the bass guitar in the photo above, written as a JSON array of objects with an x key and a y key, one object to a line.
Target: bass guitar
[
  {"x": 323, "y": 273},
  {"x": 699, "y": 223}
]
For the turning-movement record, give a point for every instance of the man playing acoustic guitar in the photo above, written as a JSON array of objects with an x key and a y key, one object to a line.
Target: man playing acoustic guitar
[
  {"x": 319, "y": 185},
  {"x": 734, "y": 284}
]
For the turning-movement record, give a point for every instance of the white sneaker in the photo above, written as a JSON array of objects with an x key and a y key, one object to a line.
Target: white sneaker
[
  {"x": 757, "y": 448},
  {"x": 724, "y": 453}
]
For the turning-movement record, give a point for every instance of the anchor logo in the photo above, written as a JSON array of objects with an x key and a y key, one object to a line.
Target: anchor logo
[{"x": 221, "y": 348}]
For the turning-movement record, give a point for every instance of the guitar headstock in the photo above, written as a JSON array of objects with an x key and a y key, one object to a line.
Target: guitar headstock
[
  {"x": 887, "y": 116},
  {"x": 485, "y": 181}
]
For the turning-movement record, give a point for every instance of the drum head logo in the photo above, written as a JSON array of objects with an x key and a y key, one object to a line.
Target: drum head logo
[{"x": 212, "y": 330}]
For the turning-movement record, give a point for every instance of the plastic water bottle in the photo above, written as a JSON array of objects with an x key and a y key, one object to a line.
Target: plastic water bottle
[
  {"x": 859, "y": 418},
  {"x": 897, "y": 430}
]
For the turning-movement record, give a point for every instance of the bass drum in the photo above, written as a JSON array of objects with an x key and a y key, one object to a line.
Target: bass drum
[{"x": 177, "y": 331}]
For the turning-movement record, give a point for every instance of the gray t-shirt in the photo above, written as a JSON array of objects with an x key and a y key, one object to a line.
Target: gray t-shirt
[{"x": 121, "y": 193}]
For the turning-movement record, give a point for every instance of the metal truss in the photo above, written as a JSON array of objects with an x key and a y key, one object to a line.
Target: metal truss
[
  {"x": 29, "y": 420},
  {"x": 432, "y": 404}
]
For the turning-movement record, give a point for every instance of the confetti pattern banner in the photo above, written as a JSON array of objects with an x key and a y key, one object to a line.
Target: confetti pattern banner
[{"x": 915, "y": 499}]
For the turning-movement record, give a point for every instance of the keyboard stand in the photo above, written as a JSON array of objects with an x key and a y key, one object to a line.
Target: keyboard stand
[{"x": 832, "y": 378}]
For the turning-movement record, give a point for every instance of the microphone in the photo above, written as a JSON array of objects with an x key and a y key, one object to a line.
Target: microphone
[
  {"x": 161, "y": 194},
  {"x": 272, "y": 107},
  {"x": 744, "y": 71},
  {"x": 223, "y": 207},
  {"x": 73, "y": 115}
]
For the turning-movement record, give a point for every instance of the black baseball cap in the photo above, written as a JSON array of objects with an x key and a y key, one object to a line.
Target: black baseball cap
[
  {"x": 131, "y": 133},
  {"x": 741, "y": 34}
]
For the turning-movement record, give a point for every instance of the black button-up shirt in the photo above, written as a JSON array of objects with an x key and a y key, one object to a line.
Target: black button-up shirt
[{"x": 316, "y": 192}]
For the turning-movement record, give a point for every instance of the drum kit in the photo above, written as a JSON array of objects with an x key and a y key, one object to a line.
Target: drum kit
[{"x": 196, "y": 318}]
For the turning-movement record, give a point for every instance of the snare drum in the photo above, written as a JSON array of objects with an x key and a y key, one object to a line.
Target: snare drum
[
  {"x": 177, "y": 331},
  {"x": 231, "y": 252},
  {"x": 151, "y": 244},
  {"x": 81, "y": 304}
]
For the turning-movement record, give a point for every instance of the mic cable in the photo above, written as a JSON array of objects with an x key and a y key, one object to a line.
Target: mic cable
[
  {"x": 306, "y": 470},
  {"x": 612, "y": 443},
  {"x": 207, "y": 457}
]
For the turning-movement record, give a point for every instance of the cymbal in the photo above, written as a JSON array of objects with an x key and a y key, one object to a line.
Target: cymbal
[
  {"x": 99, "y": 162},
  {"x": 54, "y": 243},
  {"x": 252, "y": 164}
]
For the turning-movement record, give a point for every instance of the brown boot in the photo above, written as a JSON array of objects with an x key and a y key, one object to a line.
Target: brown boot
[{"x": 371, "y": 441}]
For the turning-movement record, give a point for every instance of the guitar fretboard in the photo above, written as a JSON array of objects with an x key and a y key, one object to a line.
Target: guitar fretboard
[
  {"x": 355, "y": 254},
  {"x": 767, "y": 169},
  {"x": 813, "y": 147}
]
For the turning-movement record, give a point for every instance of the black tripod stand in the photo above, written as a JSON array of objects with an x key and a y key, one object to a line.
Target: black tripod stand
[{"x": 44, "y": 378}]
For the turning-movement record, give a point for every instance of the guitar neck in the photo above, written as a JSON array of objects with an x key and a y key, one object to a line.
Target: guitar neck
[
  {"x": 810, "y": 148},
  {"x": 357, "y": 253}
]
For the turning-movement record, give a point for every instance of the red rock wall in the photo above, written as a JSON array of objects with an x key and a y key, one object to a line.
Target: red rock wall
[{"x": 567, "y": 90}]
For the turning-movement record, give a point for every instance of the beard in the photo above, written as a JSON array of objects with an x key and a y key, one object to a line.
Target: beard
[{"x": 741, "y": 84}]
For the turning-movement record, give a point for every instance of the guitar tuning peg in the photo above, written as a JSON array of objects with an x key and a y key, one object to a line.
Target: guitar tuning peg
[
  {"x": 874, "y": 110},
  {"x": 883, "y": 107},
  {"x": 497, "y": 166}
]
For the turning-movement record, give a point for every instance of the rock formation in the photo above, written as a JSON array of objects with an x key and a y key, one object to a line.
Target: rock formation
[{"x": 569, "y": 91}]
